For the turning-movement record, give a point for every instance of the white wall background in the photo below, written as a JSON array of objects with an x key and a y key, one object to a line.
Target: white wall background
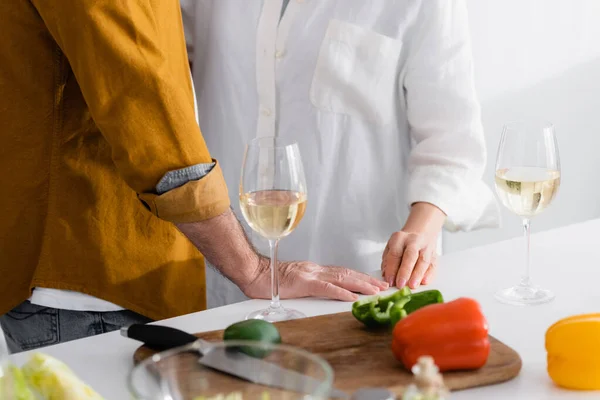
[{"x": 540, "y": 59}]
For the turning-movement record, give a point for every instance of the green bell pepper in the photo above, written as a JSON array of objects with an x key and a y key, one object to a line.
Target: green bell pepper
[
  {"x": 422, "y": 299},
  {"x": 417, "y": 301},
  {"x": 394, "y": 297},
  {"x": 397, "y": 313},
  {"x": 361, "y": 310},
  {"x": 375, "y": 311},
  {"x": 380, "y": 316},
  {"x": 387, "y": 311}
]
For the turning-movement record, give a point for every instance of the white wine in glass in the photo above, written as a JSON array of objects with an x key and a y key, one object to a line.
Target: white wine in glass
[
  {"x": 273, "y": 213},
  {"x": 527, "y": 180},
  {"x": 273, "y": 201}
]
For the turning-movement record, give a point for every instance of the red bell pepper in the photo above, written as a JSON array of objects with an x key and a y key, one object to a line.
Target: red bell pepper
[{"x": 455, "y": 334}]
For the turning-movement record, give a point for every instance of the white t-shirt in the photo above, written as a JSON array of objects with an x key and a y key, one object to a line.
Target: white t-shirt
[{"x": 69, "y": 300}]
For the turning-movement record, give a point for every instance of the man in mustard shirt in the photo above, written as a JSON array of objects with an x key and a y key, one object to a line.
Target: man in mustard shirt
[{"x": 110, "y": 197}]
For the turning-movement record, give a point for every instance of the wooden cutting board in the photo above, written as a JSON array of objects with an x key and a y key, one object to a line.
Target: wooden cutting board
[{"x": 363, "y": 358}]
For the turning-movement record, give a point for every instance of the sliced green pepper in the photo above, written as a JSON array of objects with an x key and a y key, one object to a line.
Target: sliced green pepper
[
  {"x": 394, "y": 297},
  {"x": 384, "y": 311},
  {"x": 375, "y": 311},
  {"x": 378, "y": 315},
  {"x": 417, "y": 301},
  {"x": 397, "y": 313},
  {"x": 422, "y": 299},
  {"x": 361, "y": 310}
]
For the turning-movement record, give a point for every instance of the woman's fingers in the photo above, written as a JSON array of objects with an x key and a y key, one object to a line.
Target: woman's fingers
[
  {"x": 393, "y": 257},
  {"x": 420, "y": 269},
  {"x": 410, "y": 256},
  {"x": 430, "y": 274}
]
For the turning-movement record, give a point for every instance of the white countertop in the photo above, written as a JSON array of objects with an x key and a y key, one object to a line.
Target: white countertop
[{"x": 566, "y": 260}]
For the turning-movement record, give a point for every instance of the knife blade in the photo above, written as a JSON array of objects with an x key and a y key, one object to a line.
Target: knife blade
[{"x": 238, "y": 364}]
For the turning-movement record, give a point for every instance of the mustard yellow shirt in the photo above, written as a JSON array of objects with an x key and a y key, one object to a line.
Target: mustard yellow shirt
[{"x": 96, "y": 106}]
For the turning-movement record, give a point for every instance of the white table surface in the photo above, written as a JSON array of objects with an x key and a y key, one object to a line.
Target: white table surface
[{"x": 567, "y": 260}]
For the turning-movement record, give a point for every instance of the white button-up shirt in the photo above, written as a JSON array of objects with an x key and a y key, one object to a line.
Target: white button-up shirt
[{"x": 378, "y": 94}]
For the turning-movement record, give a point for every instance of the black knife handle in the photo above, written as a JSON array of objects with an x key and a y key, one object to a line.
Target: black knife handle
[{"x": 158, "y": 337}]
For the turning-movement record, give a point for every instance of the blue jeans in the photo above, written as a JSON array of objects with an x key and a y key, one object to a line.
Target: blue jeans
[{"x": 29, "y": 326}]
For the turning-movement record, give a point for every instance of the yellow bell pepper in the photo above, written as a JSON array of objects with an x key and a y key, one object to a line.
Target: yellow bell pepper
[{"x": 573, "y": 350}]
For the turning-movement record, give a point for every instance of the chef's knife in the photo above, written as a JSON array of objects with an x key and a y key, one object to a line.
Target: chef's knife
[{"x": 236, "y": 363}]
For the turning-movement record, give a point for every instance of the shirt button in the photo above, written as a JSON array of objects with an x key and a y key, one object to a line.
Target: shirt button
[
  {"x": 279, "y": 54},
  {"x": 266, "y": 112}
]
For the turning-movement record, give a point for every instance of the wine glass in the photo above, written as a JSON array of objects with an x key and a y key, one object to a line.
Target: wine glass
[
  {"x": 527, "y": 180},
  {"x": 273, "y": 201}
]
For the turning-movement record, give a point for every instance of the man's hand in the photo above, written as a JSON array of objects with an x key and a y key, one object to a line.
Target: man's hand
[
  {"x": 223, "y": 242},
  {"x": 410, "y": 256},
  {"x": 304, "y": 279}
]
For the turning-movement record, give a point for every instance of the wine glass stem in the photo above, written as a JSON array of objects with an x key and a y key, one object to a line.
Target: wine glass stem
[
  {"x": 275, "y": 304},
  {"x": 526, "y": 279}
]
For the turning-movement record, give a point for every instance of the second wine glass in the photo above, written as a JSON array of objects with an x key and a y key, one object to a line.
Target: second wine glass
[
  {"x": 273, "y": 201},
  {"x": 527, "y": 180}
]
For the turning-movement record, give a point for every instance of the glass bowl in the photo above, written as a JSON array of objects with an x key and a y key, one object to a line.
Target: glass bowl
[{"x": 177, "y": 374}]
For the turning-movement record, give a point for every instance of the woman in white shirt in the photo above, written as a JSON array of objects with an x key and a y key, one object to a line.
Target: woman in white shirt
[{"x": 379, "y": 96}]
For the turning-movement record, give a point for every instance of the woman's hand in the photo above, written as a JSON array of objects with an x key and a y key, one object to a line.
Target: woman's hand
[
  {"x": 409, "y": 259},
  {"x": 410, "y": 256}
]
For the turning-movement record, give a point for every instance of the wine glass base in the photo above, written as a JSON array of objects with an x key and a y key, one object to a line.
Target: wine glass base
[
  {"x": 521, "y": 295},
  {"x": 276, "y": 314}
]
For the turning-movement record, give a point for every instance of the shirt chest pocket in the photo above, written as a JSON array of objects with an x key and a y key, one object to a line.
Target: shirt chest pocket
[{"x": 357, "y": 73}]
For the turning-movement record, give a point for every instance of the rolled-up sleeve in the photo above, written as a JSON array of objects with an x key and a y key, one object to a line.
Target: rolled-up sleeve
[
  {"x": 129, "y": 59},
  {"x": 448, "y": 158}
]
